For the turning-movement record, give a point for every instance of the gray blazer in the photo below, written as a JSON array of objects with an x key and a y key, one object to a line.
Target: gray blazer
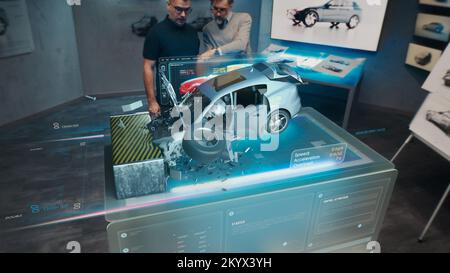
[{"x": 233, "y": 39}]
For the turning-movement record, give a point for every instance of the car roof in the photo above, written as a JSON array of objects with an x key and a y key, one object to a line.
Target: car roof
[{"x": 257, "y": 74}]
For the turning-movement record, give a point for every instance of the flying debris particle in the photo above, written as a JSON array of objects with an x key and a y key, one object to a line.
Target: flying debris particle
[
  {"x": 232, "y": 164},
  {"x": 133, "y": 106},
  {"x": 259, "y": 156},
  {"x": 121, "y": 124},
  {"x": 90, "y": 98}
]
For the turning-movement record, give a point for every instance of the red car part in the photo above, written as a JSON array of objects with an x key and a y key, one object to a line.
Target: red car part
[{"x": 191, "y": 85}]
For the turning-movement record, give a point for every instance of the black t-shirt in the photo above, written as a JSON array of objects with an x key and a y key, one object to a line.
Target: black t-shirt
[{"x": 167, "y": 39}]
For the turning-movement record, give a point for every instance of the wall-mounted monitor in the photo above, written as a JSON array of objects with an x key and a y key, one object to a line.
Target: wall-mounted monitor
[{"x": 353, "y": 24}]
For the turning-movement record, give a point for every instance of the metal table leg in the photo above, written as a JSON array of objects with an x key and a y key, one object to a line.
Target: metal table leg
[
  {"x": 435, "y": 213},
  {"x": 408, "y": 140}
]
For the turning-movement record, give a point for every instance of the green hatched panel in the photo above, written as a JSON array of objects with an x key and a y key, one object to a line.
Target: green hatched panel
[{"x": 131, "y": 140}]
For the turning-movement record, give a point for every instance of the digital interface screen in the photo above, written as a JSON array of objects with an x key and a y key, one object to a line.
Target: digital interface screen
[{"x": 181, "y": 69}]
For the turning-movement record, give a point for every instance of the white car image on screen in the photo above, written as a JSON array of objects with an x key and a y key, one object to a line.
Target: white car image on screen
[{"x": 334, "y": 11}]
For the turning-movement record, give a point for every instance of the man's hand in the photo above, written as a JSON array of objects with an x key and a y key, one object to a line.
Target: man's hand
[
  {"x": 154, "y": 109},
  {"x": 153, "y": 106},
  {"x": 208, "y": 54}
]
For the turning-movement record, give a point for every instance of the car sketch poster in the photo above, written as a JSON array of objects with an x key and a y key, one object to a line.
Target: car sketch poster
[
  {"x": 439, "y": 79},
  {"x": 432, "y": 124},
  {"x": 288, "y": 24},
  {"x": 15, "y": 29}
]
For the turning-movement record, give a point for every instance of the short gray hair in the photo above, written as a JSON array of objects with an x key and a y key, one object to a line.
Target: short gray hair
[
  {"x": 171, "y": 1},
  {"x": 230, "y": 2}
]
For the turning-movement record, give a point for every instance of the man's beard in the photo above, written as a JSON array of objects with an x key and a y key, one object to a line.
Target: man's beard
[
  {"x": 180, "y": 22},
  {"x": 219, "y": 20}
]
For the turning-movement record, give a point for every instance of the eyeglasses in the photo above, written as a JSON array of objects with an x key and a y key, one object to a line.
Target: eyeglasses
[
  {"x": 180, "y": 10},
  {"x": 220, "y": 10}
]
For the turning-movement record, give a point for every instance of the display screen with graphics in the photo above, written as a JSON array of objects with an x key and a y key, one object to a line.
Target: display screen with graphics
[
  {"x": 433, "y": 27},
  {"x": 439, "y": 79},
  {"x": 344, "y": 23},
  {"x": 422, "y": 57}
]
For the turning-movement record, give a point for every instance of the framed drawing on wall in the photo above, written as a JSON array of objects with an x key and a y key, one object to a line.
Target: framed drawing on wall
[
  {"x": 440, "y": 3},
  {"x": 15, "y": 29},
  {"x": 343, "y": 23},
  {"x": 422, "y": 57},
  {"x": 433, "y": 27}
]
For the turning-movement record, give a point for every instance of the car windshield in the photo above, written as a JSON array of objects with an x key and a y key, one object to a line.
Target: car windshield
[
  {"x": 265, "y": 69},
  {"x": 331, "y": 3},
  {"x": 221, "y": 82}
]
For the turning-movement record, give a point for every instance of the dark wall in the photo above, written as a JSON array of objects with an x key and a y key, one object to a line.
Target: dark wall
[
  {"x": 111, "y": 56},
  {"x": 49, "y": 75},
  {"x": 387, "y": 81}
]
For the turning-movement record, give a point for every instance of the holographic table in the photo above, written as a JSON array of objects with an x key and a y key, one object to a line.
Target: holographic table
[{"x": 322, "y": 190}]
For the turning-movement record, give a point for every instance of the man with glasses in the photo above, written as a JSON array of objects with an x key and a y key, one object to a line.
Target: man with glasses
[
  {"x": 228, "y": 33},
  {"x": 170, "y": 38}
]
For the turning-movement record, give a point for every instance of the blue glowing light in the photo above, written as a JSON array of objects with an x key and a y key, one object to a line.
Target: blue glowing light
[{"x": 252, "y": 179}]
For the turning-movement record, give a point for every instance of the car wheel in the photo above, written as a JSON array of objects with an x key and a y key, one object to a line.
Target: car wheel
[
  {"x": 353, "y": 22},
  {"x": 278, "y": 121},
  {"x": 204, "y": 149},
  {"x": 311, "y": 18}
]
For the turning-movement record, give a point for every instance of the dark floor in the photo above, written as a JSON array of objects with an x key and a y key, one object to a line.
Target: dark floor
[{"x": 52, "y": 168}]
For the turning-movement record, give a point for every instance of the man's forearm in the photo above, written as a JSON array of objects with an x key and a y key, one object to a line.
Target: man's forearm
[{"x": 149, "y": 84}]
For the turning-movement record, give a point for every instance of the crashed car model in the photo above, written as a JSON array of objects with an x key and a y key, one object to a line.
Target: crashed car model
[
  {"x": 423, "y": 58},
  {"x": 447, "y": 78},
  {"x": 334, "y": 11},
  {"x": 4, "y": 23},
  {"x": 434, "y": 27},
  {"x": 143, "y": 26},
  {"x": 264, "y": 85},
  {"x": 440, "y": 119}
]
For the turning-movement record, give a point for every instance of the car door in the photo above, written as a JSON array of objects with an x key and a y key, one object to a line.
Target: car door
[
  {"x": 346, "y": 11},
  {"x": 331, "y": 12},
  {"x": 249, "y": 103}
]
